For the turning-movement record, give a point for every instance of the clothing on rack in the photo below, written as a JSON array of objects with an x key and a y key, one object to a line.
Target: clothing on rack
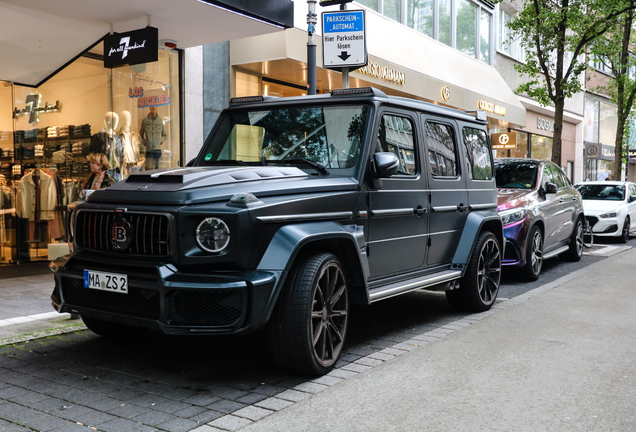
[{"x": 36, "y": 196}]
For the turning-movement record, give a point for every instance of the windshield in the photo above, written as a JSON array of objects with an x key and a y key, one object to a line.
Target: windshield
[
  {"x": 516, "y": 175},
  {"x": 310, "y": 137},
  {"x": 602, "y": 192}
]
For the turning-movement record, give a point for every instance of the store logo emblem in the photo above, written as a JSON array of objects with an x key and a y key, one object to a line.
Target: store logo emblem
[
  {"x": 503, "y": 139},
  {"x": 121, "y": 234},
  {"x": 445, "y": 93},
  {"x": 124, "y": 47}
]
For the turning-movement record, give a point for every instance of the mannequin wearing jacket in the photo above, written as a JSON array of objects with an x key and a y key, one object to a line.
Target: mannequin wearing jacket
[
  {"x": 134, "y": 153},
  {"x": 153, "y": 134},
  {"x": 109, "y": 143}
]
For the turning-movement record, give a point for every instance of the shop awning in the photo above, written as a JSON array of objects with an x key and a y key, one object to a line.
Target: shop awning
[
  {"x": 401, "y": 60},
  {"x": 38, "y": 37}
]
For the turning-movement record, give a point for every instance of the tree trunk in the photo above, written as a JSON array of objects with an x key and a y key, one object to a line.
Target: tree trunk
[{"x": 558, "y": 131}]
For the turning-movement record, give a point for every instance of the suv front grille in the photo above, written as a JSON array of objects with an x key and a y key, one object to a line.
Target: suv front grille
[
  {"x": 150, "y": 237},
  {"x": 206, "y": 307},
  {"x": 138, "y": 302}
]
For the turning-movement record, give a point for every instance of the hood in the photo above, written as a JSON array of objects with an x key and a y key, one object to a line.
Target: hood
[
  {"x": 513, "y": 198},
  {"x": 596, "y": 207},
  {"x": 192, "y": 185}
]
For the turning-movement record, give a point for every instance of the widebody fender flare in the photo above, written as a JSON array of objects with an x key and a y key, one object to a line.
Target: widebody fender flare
[{"x": 476, "y": 222}]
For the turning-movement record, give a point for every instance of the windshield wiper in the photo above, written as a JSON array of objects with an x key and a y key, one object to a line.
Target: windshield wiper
[{"x": 314, "y": 165}]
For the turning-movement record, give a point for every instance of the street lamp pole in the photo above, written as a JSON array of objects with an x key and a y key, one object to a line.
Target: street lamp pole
[{"x": 311, "y": 47}]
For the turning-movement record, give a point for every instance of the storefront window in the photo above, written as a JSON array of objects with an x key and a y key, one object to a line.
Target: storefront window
[
  {"x": 391, "y": 9},
  {"x": 130, "y": 114},
  {"x": 466, "y": 27},
  {"x": 591, "y": 120},
  {"x": 420, "y": 16},
  {"x": 520, "y": 151},
  {"x": 541, "y": 147},
  {"x": 607, "y": 124},
  {"x": 247, "y": 84},
  {"x": 484, "y": 40}
]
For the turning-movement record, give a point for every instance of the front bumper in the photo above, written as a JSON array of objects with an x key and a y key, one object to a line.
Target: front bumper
[
  {"x": 516, "y": 236},
  {"x": 163, "y": 298},
  {"x": 608, "y": 227}
]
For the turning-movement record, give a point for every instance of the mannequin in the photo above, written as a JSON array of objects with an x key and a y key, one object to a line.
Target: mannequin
[
  {"x": 134, "y": 154},
  {"x": 153, "y": 134},
  {"x": 109, "y": 143}
]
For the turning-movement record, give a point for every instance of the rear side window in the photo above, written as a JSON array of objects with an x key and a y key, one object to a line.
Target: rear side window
[
  {"x": 396, "y": 136},
  {"x": 442, "y": 152},
  {"x": 478, "y": 153}
]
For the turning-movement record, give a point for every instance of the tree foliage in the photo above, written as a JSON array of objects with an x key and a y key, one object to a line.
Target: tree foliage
[{"x": 556, "y": 34}]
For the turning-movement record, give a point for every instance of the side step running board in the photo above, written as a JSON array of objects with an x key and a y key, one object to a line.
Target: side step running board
[
  {"x": 556, "y": 252},
  {"x": 413, "y": 284}
]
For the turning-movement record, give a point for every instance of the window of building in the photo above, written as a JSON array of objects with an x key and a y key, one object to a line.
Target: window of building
[
  {"x": 391, "y": 9},
  {"x": 484, "y": 37},
  {"x": 442, "y": 152},
  {"x": 420, "y": 16},
  {"x": 590, "y": 128},
  {"x": 608, "y": 121},
  {"x": 371, "y": 4},
  {"x": 478, "y": 153},
  {"x": 445, "y": 18},
  {"x": 541, "y": 147},
  {"x": 466, "y": 27},
  {"x": 505, "y": 42},
  {"x": 521, "y": 149}
]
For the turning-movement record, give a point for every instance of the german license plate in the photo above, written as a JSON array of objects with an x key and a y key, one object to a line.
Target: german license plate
[{"x": 113, "y": 282}]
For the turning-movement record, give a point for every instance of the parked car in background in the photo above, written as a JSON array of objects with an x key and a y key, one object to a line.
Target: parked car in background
[
  {"x": 294, "y": 209},
  {"x": 541, "y": 211},
  {"x": 610, "y": 207}
]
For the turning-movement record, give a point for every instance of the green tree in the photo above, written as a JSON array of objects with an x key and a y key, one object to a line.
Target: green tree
[
  {"x": 614, "y": 51},
  {"x": 556, "y": 34}
]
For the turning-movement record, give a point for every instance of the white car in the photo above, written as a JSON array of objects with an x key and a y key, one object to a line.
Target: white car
[{"x": 610, "y": 207}]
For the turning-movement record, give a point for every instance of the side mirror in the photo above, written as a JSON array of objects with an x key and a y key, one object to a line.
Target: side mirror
[
  {"x": 550, "y": 188},
  {"x": 632, "y": 198},
  {"x": 191, "y": 163},
  {"x": 386, "y": 164}
]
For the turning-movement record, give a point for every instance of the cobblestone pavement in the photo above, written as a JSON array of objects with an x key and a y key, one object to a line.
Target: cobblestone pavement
[{"x": 77, "y": 380}]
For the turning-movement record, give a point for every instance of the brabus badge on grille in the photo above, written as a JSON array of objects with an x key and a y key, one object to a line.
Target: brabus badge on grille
[{"x": 121, "y": 234}]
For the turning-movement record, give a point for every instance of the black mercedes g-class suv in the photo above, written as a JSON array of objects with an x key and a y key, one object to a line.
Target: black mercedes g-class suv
[{"x": 294, "y": 209}]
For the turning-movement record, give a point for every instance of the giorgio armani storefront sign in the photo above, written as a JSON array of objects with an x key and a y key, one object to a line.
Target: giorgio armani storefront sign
[{"x": 131, "y": 48}]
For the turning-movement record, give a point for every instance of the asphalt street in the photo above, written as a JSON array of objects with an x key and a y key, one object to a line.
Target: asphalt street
[{"x": 76, "y": 379}]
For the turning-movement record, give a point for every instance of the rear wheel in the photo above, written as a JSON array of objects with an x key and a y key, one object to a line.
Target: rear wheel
[
  {"x": 624, "y": 238},
  {"x": 534, "y": 255},
  {"x": 575, "y": 252},
  {"x": 480, "y": 285},
  {"x": 112, "y": 330},
  {"x": 308, "y": 327}
]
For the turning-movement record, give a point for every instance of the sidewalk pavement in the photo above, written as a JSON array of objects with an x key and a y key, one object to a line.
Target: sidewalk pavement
[
  {"x": 557, "y": 358},
  {"x": 26, "y": 312}
]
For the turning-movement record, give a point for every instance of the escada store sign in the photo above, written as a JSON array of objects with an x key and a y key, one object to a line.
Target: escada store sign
[{"x": 131, "y": 48}]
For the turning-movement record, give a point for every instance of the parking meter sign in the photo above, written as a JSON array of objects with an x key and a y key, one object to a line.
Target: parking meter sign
[{"x": 344, "y": 42}]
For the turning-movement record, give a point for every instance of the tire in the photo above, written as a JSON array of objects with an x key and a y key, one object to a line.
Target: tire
[
  {"x": 309, "y": 324},
  {"x": 575, "y": 252},
  {"x": 112, "y": 330},
  {"x": 534, "y": 255},
  {"x": 480, "y": 284},
  {"x": 624, "y": 238}
]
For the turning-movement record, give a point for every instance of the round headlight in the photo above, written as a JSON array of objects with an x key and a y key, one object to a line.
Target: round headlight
[{"x": 212, "y": 235}]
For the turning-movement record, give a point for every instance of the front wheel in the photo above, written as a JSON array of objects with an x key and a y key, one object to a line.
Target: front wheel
[
  {"x": 480, "y": 285},
  {"x": 308, "y": 327},
  {"x": 575, "y": 251},
  {"x": 624, "y": 238}
]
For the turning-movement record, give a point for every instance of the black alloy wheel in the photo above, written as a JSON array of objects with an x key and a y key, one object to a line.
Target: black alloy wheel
[
  {"x": 308, "y": 328},
  {"x": 480, "y": 285},
  {"x": 624, "y": 238},
  {"x": 534, "y": 255},
  {"x": 575, "y": 251}
]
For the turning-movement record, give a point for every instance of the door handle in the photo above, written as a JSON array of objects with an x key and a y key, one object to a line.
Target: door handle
[
  {"x": 462, "y": 208},
  {"x": 421, "y": 211}
]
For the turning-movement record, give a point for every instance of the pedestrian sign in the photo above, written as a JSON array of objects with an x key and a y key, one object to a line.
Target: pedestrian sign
[{"x": 344, "y": 42}]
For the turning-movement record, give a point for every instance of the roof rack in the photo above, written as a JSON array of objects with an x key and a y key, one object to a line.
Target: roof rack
[{"x": 250, "y": 99}]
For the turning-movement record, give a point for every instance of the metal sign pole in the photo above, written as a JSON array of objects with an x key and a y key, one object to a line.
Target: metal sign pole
[
  {"x": 312, "y": 20},
  {"x": 345, "y": 70}
]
